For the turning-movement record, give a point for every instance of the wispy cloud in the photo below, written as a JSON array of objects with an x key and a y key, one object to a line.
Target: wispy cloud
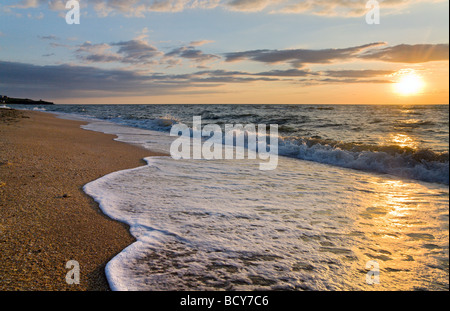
[
  {"x": 200, "y": 42},
  {"x": 53, "y": 81},
  {"x": 77, "y": 81},
  {"x": 66, "y": 81},
  {"x": 299, "y": 57},
  {"x": 249, "y": 5},
  {"x": 343, "y": 8},
  {"x": 287, "y": 73},
  {"x": 134, "y": 51},
  {"x": 139, "y": 51},
  {"x": 25, "y": 4},
  {"x": 419, "y": 53},
  {"x": 63, "y": 81},
  {"x": 363, "y": 73},
  {"x": 49, "y": 37},
  {"x": 405, "y": 53},
  {"x": 191, "y": 53},
  {"x": 99, "y": 53}
]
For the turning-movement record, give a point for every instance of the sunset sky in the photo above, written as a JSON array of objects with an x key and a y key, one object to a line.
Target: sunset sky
[{"x": 226, "y": 51}]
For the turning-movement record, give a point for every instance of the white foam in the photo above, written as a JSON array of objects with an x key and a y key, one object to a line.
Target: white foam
[
  {"x": 209, "y": 225},
  {"x": 39, "y": 109},
  {"x": 149, "y": 139},
  {"x": 401, "y": 165}
]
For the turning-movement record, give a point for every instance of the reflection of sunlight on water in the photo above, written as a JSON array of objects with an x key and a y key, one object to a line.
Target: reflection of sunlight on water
[
  {"x": 405, "y": 225},
  {"x": 402, "y": 140}
]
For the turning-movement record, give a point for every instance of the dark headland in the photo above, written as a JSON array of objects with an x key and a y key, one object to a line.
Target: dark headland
[{"x": 22, "y": 101}]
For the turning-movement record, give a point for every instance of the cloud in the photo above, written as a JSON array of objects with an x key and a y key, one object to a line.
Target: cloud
[
  {"x": 63, "y": 81},
  {"x": 32, "y": 80},
  {"x": 137, "y": 51},
  {"x": 323, "y": 81},
  {"x": 367, "y": 73},
  {"x": 99, "y": 53},
  {"x": 129, "y": 52},
  {"x": 58, "y": 5},
  {"x": 26, "y": 4},
  {"x": 191, "y": 53},
  {"x": 286, "y": 73},
  {"x": 405, "y": 53},
  {"x": 200, "y": 42},
  {"x": 343, "y": 8},
  {"x": 248, "y": 5},
  {"x": 139, "y": 7},
  {"x": 134, "y": 51},
  {"x": 299, "y": 57},
  {"x": 167, "y": 5},
  {"x": 36, "y": 16},
  {"x": 324, "y": 7},
  {"x": 78, "y": 81},
  {"x": 52, "y": 4},
  {"x": 333, "y": 76},
  {"x": 49, "y": 37}
]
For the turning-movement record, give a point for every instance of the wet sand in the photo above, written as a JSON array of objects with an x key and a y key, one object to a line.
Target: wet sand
[{"x": 45, "y": 217}]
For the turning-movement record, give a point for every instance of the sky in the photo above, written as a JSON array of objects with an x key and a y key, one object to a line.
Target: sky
[{"x": 226, "y": 51}]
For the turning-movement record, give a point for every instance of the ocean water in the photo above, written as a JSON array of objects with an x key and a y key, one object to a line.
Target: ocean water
[
  {"x": 406, "y": 141},
  {"x": 354, "y": 186}
]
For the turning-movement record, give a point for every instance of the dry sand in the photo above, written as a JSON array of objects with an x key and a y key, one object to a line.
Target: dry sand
[{"x": 45, "y": 217}]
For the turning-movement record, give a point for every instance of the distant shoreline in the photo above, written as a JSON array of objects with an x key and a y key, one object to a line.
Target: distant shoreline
[{"x": 23, "y": 101}]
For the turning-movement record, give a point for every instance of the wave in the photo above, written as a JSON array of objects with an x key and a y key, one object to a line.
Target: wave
[
  {"x": 419, "y": 164},
  {"x": 422, "y": 164},
  {"x": 39, "y": 109},
  {"x": 163, "y": 124},
  {"x": 414, "y": 123},
  {"x": 325, "y": 108}
]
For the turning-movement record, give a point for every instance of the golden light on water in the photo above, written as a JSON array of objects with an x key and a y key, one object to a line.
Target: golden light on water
[
  {"x": 400, "y": 139},
  {"x": 405, "y": 230},
  {"x": 403, "y": 140},
  {"x": 409, "y": 83}
]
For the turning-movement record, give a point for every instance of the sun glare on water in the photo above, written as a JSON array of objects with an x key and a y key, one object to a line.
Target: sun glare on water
[{"x": 409, "y": 83}]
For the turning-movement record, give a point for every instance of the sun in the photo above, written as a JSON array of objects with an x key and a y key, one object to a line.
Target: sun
[{"x": 409, "y": 83}]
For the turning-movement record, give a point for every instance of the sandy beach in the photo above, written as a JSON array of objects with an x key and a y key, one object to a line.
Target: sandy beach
[{"x": 45, "y": 217}]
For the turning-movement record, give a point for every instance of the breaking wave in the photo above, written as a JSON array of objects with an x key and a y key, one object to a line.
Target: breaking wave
[{"x": 421, "y": 164}]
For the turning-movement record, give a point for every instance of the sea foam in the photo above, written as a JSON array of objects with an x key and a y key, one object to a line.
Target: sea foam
[{"x": 209, "y": 225}]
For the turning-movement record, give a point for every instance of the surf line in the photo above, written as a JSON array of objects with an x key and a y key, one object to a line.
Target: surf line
[{"x": 230, "y": 145}]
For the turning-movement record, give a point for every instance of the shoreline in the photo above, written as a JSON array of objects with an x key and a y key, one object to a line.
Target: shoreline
[{"x": 45, "y": 217}]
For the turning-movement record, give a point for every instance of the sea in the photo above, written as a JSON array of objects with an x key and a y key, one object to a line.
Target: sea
[{"x": 359, "y": 199}]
